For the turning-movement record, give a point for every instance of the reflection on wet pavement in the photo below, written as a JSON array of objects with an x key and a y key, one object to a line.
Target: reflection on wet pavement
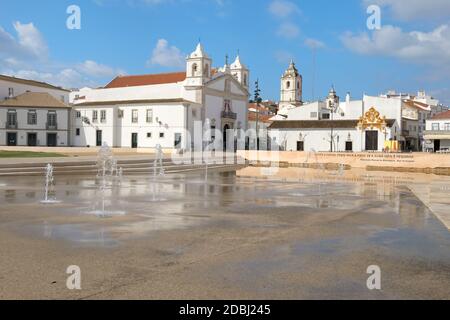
[
  {"x": 298, "y": 233},
  {"x": 185, "y": 201}
]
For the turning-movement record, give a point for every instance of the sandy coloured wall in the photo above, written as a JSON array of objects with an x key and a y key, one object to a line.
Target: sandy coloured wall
[{"x": 355, "y": 160}]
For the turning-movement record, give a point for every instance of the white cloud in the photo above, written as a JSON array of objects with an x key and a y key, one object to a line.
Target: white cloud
[
  {"x": 29, "y": 43},
  {"x": 283, "y": 8},
  {"x": 95, "y": 69},
  {"x": 27, "y": 56},
  {"x": 31, "y": 39},
  {"x": 427, "y": 48},
  {"x": 314, "y": 43},
  {"x": 414, "y": 9},
  {"x": 166, "y": 56},
  {"x": 67, "y": 78},
  {"x": 288, "y": 30}
]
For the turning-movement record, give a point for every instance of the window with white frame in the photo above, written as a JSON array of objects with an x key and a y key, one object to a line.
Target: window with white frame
[
  {"x": 10, "y": 92},
  {"x": 51, "y": 119},
  {"x": 11, "y": 117},
  {"x": 120, "y": 114},
  {"x": 447, "y": 126},
  {"x": 94, "y": 116},
  {"x": 32, "y": 117},
  {"x": 134, "y": 116},
  {"x": 78, "y": 114},
  {"x": 435, "y": 126},
  {"x": 103, "y": 116},
  {"x": 149, "y": 115}
]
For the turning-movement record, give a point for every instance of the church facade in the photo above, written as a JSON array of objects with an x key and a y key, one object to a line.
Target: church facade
[
  {"x": 331, "y": 125},
  {"x": 168, "y": 109}
]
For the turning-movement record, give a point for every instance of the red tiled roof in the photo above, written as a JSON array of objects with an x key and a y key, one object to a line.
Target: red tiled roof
[
  {"x": 442, "y": 115},
  {"x": 146, "y": 79},
  {"x": 262, "y": 118}
]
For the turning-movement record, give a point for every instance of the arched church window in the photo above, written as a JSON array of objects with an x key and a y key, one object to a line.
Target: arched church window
[
  {"x": 288, "y": 85},
  {"x": 245, "y": 79},
  {"x": 206, "y": 72},
  {"x": 298, "y": 85},
  {"x": 194, "y": 69}
]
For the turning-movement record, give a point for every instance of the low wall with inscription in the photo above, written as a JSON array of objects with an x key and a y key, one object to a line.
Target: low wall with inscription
[{"x": 355, "y": 160}]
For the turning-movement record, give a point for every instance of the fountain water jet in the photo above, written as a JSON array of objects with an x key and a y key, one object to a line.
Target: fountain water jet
[
  {"x": 107, "y": 165},
  {"x": 158, "y": 163},
  {"x": 49, "y": 184},
  {"x": 158, "y": 170}
]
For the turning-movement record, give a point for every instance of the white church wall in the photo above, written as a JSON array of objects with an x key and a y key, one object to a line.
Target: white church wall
[{"x": 151, "y": 92}]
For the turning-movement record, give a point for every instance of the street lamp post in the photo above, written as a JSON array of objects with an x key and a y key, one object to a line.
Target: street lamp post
[{"x": 258, "y": 100}]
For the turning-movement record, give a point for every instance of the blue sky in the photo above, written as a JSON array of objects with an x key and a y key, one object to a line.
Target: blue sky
[{"x": 410, "y": 52}]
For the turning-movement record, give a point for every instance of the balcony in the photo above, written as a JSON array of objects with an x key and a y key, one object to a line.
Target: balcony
[
  {"x": 51, "y": 126},
  {"x": 11, "y": 125},
  {"x": 229, "y": 115}
]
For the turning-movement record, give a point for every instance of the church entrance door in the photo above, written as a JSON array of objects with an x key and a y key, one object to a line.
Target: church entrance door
[
  {"x": 225, "y": 136},
  {"x": 371, "y": 140}
]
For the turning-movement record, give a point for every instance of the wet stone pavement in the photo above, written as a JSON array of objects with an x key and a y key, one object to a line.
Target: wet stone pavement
[{"x": 236, "y": 235}]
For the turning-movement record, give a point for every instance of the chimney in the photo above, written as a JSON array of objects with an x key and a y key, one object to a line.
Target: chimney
[{"x": 347, "y": 98}]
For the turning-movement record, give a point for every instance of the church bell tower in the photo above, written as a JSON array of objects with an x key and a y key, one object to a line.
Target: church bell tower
[
  {"x": 291, "y": 86},
  {"x": 198, "y": 67}
]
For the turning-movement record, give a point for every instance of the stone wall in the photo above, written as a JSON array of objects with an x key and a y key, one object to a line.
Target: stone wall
[{"x": 355, "y": 160}]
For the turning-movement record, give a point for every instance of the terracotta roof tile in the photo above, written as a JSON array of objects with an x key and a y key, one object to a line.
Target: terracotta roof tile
[
  {"x": 442, "y": 115},
  {"x": 34, "y": 100},
  {"x": 145, "y": 80},
  {"x": 262, "y": 118}
]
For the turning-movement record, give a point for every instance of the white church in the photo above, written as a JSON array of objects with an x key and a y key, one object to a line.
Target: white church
[
  {"x": 374, "y": 123},
  {"x": 144, "y": 111}
]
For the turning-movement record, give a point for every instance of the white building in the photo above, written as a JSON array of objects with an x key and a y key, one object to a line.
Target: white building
[
  {"x": 146, "y": 110},
  {"x": 33, "y": 113},
  {"x": 371, "y": 124},
  {"x": 346, "y": 126},
  {"x": 427, "y": 106},
  {"x": 437, "y": 133}
]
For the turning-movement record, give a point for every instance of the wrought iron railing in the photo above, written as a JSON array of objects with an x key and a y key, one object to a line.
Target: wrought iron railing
[
  {"x": 11, "y": 125},
  {"x": 51, "y": 126},
  {"x": 229, "y": 115}
]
